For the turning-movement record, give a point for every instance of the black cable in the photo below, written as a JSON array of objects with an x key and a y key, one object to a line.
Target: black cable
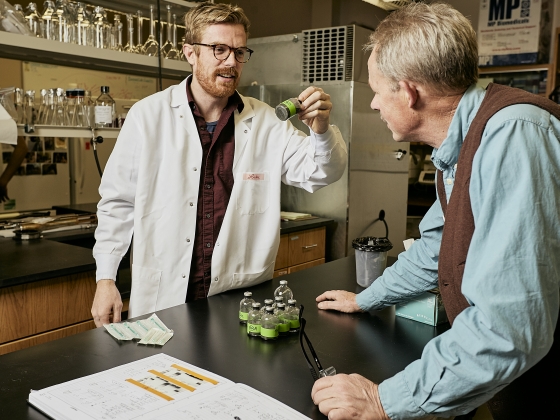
[
  {"x": 97, "y": 162},
  {"x": 158, "y": 37},
  {"x": 382, "y": 218}
]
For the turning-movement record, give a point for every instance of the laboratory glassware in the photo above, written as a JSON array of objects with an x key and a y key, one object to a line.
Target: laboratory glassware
[
  {"x": 139, "y": 22},
  {"x": 151, "y": 46},
  {"x": 104, "y": 109},
  {"x": 33, "y": 19},
  {"x": 169, "y": 43},
  {"x": 174, "y": 53}
]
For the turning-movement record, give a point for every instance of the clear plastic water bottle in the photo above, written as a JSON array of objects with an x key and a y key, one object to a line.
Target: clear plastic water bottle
[
  {"x": 269, "y": 325},
  {"x": 284, "y": 291},
  {"x": 254, "y": 320},
  {"x": 245, "y": 307},
  {"x": 267, "y": 302},
  {"x": 293, "y": 316},
  {"x": 283, "y": 320}
]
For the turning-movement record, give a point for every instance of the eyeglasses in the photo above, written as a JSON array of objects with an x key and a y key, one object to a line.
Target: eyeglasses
[
  {"x": 330, "y": 371},
  {"x": 222, "y": 52}
]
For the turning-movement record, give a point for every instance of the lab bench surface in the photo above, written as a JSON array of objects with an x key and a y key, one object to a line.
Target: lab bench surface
[{"x": 208, "y": 335}]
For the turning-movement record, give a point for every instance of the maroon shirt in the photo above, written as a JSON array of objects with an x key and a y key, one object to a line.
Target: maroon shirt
[{"x": 216, "y": 183}]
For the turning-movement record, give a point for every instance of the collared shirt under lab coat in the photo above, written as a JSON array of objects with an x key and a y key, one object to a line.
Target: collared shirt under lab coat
[{"x": 150, "y": 187}]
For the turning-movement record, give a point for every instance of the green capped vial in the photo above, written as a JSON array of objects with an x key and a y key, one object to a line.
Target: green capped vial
[
  {"x": 288, "y": 108},
  {"x": 283, "y": 319},
  {"x": 293, "y": 316},
  {"x": 254, "y": 320},
  {"x": 245, "y": 307},
  {"x": 267, "y": 302},
  {"x": 269, "y": 325}
]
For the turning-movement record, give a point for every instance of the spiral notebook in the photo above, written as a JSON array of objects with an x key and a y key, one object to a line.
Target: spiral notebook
[{"x": 157, "y": 387}]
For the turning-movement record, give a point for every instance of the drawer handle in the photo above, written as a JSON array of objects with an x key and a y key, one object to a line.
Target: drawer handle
[{"x": 309, "y": 246}]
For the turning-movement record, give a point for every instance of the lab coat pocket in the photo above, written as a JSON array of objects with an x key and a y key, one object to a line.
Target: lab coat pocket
[
  {"x": 253, "y": 192},
  {"x": 250, "y": 279},
  {"x": 144, "y": 291}
]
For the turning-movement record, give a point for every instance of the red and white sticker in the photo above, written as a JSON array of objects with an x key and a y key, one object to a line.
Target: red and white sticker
[{"x": 253, "y": 176}]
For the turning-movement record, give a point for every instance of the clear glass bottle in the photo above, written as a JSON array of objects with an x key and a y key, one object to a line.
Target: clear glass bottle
[
  {"x": 269, "y": 325},
  {"x": 62, "y": 17},
  {"x": 151, "y": 46},
  {"x": 254, "y": 320},
  {"x": 42, "y": 107},
  {"x": 50, "y": 21},
  {"x": 49, "y": 110},
  {"x": 169, "y": 43},
  {"x": 18, "y": 105},
  {"x": 293, "y": 316},
  {"x": 70, "y": 107},
  {"x": 104, "y": 109},
  {"x": 29, "y": 110},
  {"x": 173, "y": 53},
  {"x": 18, "y": 9},
  {"x": 118, "y": 28},
  {"x": 245, "y": 307},
  {"x": 33, "y": 19},
  {"x": 89, "y": 109},
  {"x": 139, "y": 22},
  {"x": 284, "y": 291},
  {"x": 82, "y": 23},
  {"x": 277, "y": 300},
  {"x": 283, "y": 319},
  {"x": 99, "y": 27},
  {"x": 267, "y": 302}
]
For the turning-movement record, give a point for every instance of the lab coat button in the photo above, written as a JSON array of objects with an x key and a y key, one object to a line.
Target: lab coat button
[
  {"x": 195, "y": 169},
  {"x": 449, "y": 181},
  {"x": 188, "y": 239},
  {"x": 245, "y": 131},
  {"x": 191, "y": 204},
  {"x": 217, "y": 244},
  {"x": 183, "y": 275},
  {"x": 180, "y": 116},
  {"x": 215, "y": 278}
]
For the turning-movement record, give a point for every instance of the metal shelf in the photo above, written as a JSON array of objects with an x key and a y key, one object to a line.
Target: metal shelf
[
  {"x": 131, "y": 6},
  {"x": 26, "y": 48},
  {"x": 68, "y": 132}
]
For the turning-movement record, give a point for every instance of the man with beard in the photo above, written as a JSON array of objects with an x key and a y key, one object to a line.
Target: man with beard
[{"x": 196, "y": 175}]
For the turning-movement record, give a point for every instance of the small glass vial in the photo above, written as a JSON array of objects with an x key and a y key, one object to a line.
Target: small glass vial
[
  {"x": 277, "y": 300},
  {"x": 269, "y": 325},
  {"x": 288, "y": 108},
  {"x": 254, "y": 320},
  {"x": 267, "y": 302},
  {"x": 104, "y": 109},
  {"x": 245, "y": 307},
  {"x": 293, "y": 316},
  {"x": 283, "y": 320},
  {"x": 284, "y": 291}
]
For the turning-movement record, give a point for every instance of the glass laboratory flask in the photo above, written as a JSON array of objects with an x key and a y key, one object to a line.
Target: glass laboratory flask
[
  {"x": 33, "y": 19},
  {"x": 118, "y": 28},
  {"x": 129, "y": 47},
  {"x": 139, "y": 49},
  {"x": 169, "y": 43},
  {"x": 151, "y": 46},
  {"x": 50, "y": 21},
  {"x": 174, "y": 53}
]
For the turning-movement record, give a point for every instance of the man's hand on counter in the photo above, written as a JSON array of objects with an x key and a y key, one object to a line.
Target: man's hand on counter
[
  {"x": 107, "y": 301},
  {"x": 338, "y": 300},
  {"x": 342, "y": 397}
]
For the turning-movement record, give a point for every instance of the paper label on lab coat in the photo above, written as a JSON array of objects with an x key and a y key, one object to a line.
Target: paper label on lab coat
[
  {"x": 103, "y": 114},
  {"x": 253, "y": 176}
]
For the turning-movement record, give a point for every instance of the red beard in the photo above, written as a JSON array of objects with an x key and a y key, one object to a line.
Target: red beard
[{"x": 215, "y": 85}]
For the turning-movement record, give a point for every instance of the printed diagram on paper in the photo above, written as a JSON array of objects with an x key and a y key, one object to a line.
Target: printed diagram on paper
[{"x": 158, "y": 387}]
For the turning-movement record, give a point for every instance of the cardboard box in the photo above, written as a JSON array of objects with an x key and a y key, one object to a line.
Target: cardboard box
[
  {"x": 514, "y": 32},
  {"x": 427, "y": 308}
]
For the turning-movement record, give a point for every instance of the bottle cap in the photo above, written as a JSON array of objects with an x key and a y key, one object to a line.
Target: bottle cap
[
  {"x": 279, "y": 299},
  {"x": 269, "y": 309},
  {"x": 248, "y": 294},
  {"x": 79, "y": 92},
  {"x": 281, "y": 306},
  {"x": 292, "y": 302},
  {"x": 104, "y": 89},
  {"x": 266, "y": 301},
  {"x": 283, "y": 281},
  {"x": 256, "y": 305}
]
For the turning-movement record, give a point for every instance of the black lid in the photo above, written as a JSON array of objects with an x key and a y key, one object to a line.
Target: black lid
[
  {"x": 372, "y": 244},
  {"x": 80, "y": 92},
  {"x": 282, "y": 112},
  {"x": 104, "y": 89}
]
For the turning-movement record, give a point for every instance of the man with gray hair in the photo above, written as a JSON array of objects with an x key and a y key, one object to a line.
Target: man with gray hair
[{"x": 490, "y": 242}]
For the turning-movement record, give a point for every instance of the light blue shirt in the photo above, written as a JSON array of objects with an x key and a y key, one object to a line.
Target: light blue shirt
[{"x": 512, "y": 273}]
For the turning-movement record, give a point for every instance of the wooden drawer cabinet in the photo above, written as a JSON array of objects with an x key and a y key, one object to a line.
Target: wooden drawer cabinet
[{"x": 300, "y": 250}]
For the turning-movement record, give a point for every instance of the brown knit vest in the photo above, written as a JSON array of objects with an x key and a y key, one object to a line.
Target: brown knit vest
[{"x": 529, "y": 396}]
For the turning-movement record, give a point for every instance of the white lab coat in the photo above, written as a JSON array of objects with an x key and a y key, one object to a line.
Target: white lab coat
[{"x": 150, "y": 187}]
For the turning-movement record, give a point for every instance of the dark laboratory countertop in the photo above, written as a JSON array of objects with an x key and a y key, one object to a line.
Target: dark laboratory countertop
[
  {"x": 70, "y": 252},
  {"x": 208, "y": 335}
]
